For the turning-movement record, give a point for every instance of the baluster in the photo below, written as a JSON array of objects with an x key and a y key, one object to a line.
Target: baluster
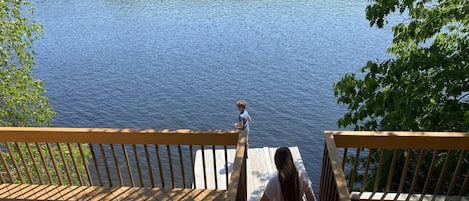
[
  {"x": 85, "y": 163},
  {"x": 45, "y": 165},
  {"x": 75, "y": 164},
  {"x": 116, "y": 162},
  {"x": 456, "y": 172},
  {"x": 367, "y": 168},
  {"x": 404, "y": 170},
  {"x": 354, "y": 170},
  {"x": 96, "y": 164},
  {"x": 203, "y": 165},
  {"x": 28, "y": 172},
  {"x": 129, "y": 170},
  {"x": 149, "y": 165},
  {"x": 182, "y": 167},
  {"x": 417, "y": 169},
  {"x": 391, "y": 171},
  {"x": 226, "y": 166},
  {"x": 6, "y": 165},
  {"x": 442, "y": 173},
  {"x": 215, "y": 167},
  {"x": 378, "y": 173},
  {"x": 157, "y": 148},
  {"x": 134, "y": 146},
  {"x": 168, "y": 149},
  {"x": 106, "y": 166},
  {"x": 13, "y": 160},
  {"x": 32, "y": 156},
  {"x": 69, "y": 177},
  {"x": 192, "y": 165},
  {"x": 430, "y": 172}
]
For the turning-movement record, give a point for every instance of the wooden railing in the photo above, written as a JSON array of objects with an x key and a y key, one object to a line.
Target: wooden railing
[
  {"x": 362, "y": 165},
  {"x": 117, "y": 157}
]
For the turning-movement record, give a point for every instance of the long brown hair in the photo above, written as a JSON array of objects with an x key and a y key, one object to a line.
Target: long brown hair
[{"x": 287, "y": 174}]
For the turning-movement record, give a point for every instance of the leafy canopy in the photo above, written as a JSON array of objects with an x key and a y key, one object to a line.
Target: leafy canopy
[
  {"x": 426, "y": 85},
  {"x": 21, "y": 100}
]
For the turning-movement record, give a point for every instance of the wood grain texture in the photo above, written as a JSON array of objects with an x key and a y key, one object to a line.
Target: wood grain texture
[{"x": 50, "y": 192}]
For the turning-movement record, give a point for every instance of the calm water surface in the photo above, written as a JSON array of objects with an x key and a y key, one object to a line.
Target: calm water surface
[{"x": 184, "y": 63}]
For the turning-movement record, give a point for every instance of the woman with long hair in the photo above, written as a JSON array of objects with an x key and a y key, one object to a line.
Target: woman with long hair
[{"x": 289, "y": 184}]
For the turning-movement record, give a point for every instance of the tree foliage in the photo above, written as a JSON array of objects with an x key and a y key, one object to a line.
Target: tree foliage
[
  {"x": 426, "y": 85},
  {"x": 21, "y": 99},
  {"x": 21, "y": 96}
]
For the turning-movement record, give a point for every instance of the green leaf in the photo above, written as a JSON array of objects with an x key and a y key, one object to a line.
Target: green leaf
[
  {"x": 424, "y": 86},
  {"x": 466, "y": 116},
  {"x": 21, "y": 100}
]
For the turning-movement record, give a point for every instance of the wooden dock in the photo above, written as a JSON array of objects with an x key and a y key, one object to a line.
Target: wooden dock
[{"x": 260, "y": 168}]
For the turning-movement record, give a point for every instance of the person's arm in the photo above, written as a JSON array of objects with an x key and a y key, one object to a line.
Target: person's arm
[
  {"x": 308, "y": 190},
  {"x": 240, "y": 124},
  {"x": 265, "y": 198},
  {"x": 271, "y": 189},
  {"x": 309, "y": 195}
]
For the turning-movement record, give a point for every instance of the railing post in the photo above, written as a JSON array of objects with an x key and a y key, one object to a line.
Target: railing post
[
  {"x": 327, "y": 187},
  {"x": 333, "y": 185},
  {"x": 237, "y": 189},
  {"x": 242, "y": 185}
]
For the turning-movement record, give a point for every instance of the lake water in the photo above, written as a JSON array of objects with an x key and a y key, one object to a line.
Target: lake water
[{"x": 184, "y": 63}]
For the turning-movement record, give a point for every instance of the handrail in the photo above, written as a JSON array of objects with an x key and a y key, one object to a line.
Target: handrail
[
  {"x": 401, "y": 140},
  {"x": 337, "y": 171},
  {"x": 333, "y": 185},
  {"x": 237, "y": 187},
  {"x": 118, "y": 136},
  {"x": 399, "y": 157},
  {"x": 88, "y": 156}
]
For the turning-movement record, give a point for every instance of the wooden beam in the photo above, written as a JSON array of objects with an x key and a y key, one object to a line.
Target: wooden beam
[
  {"x": 118, "y": 136},
  {"x": 340, "y": 182},
  {"x": 401, "y": 140},
  {"x": 239, "y": 166}
]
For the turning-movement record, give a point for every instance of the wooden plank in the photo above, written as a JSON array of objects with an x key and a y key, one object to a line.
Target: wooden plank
[
  {"x": 209, "y": 168},
  {"x": 44, "y": 194},
  {"x": 401, "y": 140},
  {"x": 404, "y": 196},
  {"x": 269, "y": 153},
  {"x": 295, "y": 151},
  {"x": 15, "y": 190},
  {"x": 398, "y": 133},
  {"x": 195, "y": 194},
  {"x": 65, "y": 192},
  {"x": 32, "y": 192},
  {"x": 118, "y": 136},
  {"x": 157, "y": 193},
  {"x": 50, "y": 192},
  {"x": 337, "y": 171},
  {"x": 205, "y": 195},
  {"x": 4, "y": 191},
  {"x": 138, "y": 193},
  {"x": 81, "y": 192},
  {"x": 259, "y": 171},
  {"x": 237, "y": 186}
]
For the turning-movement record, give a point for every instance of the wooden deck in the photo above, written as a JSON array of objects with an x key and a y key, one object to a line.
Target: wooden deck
[
  {"x": 112, "y": 164},
  {"x": 50, "y": 192},
  {"x": 404, "y": 197},
  {"x": 412, "y": 161},
  {"x": 260, "y": 168}
]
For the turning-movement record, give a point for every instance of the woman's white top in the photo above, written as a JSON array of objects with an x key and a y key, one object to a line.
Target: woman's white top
[{"x": 274, "y": 191}]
